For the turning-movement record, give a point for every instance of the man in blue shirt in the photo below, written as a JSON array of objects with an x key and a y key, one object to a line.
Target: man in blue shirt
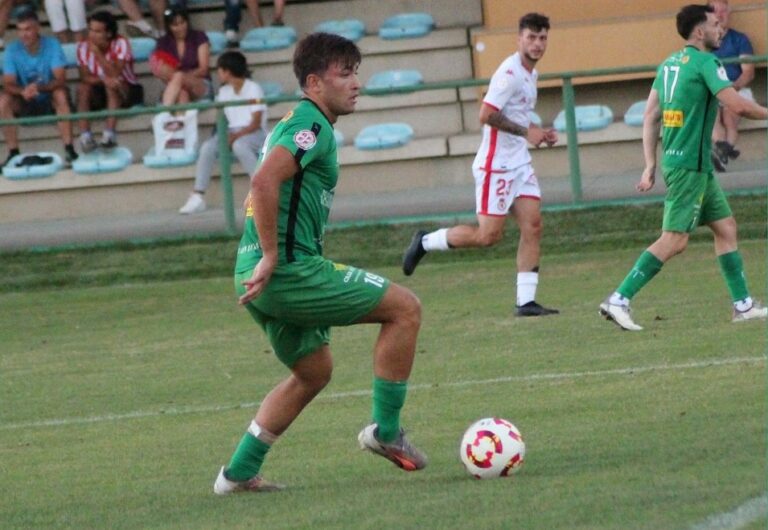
[
  {"x": 734, "y": 44},
  {"x": 34, "y": 82}
]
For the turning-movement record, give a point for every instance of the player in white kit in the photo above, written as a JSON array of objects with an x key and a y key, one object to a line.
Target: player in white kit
[{"x": 505, "y": 182}]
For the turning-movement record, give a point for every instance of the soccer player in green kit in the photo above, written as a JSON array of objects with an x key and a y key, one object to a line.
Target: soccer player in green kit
[
  {"x": 295, "y": 294},
  {"x": 683, "y": 101}
]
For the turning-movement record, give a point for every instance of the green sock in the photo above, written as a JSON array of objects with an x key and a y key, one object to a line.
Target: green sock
[
  {"x": 732, "y": 267},
  {"x": 247, "y": 459},
  {"x": 388, "y": 399},
  {"x": 646, "y": 267}
]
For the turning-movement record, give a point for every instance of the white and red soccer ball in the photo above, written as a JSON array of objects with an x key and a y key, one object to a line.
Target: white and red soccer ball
[{"x": 492, "y": 447}]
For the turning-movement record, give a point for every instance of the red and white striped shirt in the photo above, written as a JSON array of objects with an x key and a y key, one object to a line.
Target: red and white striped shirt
[
  {"x": 512, "y": 91},
  {"x": 119, "y": 50}
]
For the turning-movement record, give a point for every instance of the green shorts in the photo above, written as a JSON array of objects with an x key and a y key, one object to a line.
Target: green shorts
[
  {"x": 692, "y": 199},
  {"x": 305, "y": 298}
]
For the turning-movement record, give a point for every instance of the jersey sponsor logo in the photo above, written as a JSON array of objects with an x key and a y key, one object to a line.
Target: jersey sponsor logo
[
  {"x": 722, "y": 74},
  {"x": 326, "y": 198},
  {"x": 250, "y": 247},
  {"x": 288, "y": 116},
  {"x": 674, "y": 152},
  {"x": 685, "y": 59},
  {"x": 673, "y": 118},
  {"x": 305, "y": 139}
]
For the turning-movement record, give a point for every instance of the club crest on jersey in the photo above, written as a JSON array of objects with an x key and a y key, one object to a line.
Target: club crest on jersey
[
  {"x": 721, "y": 73},
  {"x": 305, "y": 139}
]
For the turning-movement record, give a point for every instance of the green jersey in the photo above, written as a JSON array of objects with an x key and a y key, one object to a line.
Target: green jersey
[
  {"x": 687, "y": 83},
  {"x": 305, "y": 200}
]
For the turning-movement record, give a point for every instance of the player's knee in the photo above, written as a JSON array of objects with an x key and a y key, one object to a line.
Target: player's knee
[
  {"x": 489, "y": 238},
  {"x": 410, "y": 312}
]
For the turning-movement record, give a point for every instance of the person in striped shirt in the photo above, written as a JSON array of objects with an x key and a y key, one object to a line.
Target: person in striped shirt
[{"x": 107, "y": 79}]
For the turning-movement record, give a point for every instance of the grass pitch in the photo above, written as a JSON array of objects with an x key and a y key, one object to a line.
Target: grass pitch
[{"x": 120, "y": 402}]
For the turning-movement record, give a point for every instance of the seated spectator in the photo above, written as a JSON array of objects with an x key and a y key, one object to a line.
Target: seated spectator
[
  {"x": 136, "y": 25},
  {"x": 34, "y": 82},
  {"x": 107, "y": 79},
  {"x": 6, "y": 7},
  {"x": 67, "y": 24},
  {"x": 247, "y": 126},
  {"x": 181, "y": 59},
  {"x": 233, "y": 16},
  {"x": 734, "y": 44}
]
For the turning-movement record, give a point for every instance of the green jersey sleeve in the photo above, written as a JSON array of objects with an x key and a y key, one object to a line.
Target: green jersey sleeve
[
  {"x": 306, "y": 139},
  {"x": 714, "y": 74}
]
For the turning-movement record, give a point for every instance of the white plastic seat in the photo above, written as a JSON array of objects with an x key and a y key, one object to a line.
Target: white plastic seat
[
  {"x": 407, "y": 26},
  {"x": 103, "y": 161},
  {"x": 15, "y": 169},
  {"x": 634, "y": 115},
  {"x": 394, "y": 79},
  {"x": 588, "y": 118},
  {"x": 351, "y": 28},
  {"x": 217, "y": 41},
  {"x": 384, "y": 136},
  {"x": 142, "y": 48},
  {"x": 268, "y": 38}
]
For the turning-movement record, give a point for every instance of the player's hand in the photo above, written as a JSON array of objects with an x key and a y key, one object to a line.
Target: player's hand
[
  {"x": 259, "y": 279},
  {"x": 536, "y": 135},
  {"x": 647, "y": 180},
  {"x": 550, "y": 137}
]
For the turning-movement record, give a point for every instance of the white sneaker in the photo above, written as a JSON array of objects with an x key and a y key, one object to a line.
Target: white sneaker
[
  {"x": 137, "y": 28},
  {"x": 195, "y": 204},
  {"x": 224, "y": 486},
  {"x": 232, "y": 38},
  {"x": 87, "y": 143},
  {"x": 755, "y": 312},
  {"x": 619, "y": 314},
  {"x": 400, "y": 452}
]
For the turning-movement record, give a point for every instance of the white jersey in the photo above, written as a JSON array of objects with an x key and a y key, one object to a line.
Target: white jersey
[{"x": 512, "y": 91}]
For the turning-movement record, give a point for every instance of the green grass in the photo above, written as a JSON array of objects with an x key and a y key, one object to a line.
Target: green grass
[{"x": 155, "y": 383}]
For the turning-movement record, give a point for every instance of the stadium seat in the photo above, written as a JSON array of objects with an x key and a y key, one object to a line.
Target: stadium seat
[
  {"x": 634, "y": 115},
  {"x": 588, "y": 118},
  {"x": 217, "y": 40},
  {"x": 394, "y": 79},
  {"x": 45, "y": 165},
  {"x": 171, "y": 158},
  {"x": 339, "y": 137},
  {"x": 70, "y": 53},
  {"x": 271, "y": 88},
  {"x": 269, "y": 38},
  {"x": 535, "y": 119},
  {"x": 352, "y": 28},
  {"x": 407, "y": 26},
  {"x": 142, "y": 48},
  {"x": 103, "y": 161},
  {"x": 384, "y": 136}
]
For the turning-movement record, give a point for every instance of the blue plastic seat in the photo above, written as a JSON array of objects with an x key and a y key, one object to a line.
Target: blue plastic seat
[
  {"x": 535, "y": 119},
  {"x": 588, "y": 118},
  {"x": 634, "y": 114},
  {"x": 269, "y": 38},
  {"x": 407, "y": 26},
  {"x": 271, "y": 88},
  {"x": 217, "y": 40},
  {"x": 351, "y": 28},
  {"x": 13, "y": 171},
  {"x": 394, "y": 79},
  {"x": 171, "y": 158},
  {"x": 103, "y": 161},
  {"x": 339, "y": 137},
  {"x": 142, "y": 48},
  {"x": 70, "y": 53},
  {"x": 384, "y": 136}
]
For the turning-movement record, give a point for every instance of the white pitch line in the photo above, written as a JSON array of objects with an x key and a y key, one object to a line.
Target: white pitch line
[
  {"x": 749, "y": 512},
  {"x": 176, "y": 411}
]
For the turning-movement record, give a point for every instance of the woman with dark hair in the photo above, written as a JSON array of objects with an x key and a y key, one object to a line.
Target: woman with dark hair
[{"x": 181, "y": 60}]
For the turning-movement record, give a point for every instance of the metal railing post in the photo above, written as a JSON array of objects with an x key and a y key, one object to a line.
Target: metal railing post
[
  {"x": 225, "y": 163},
  {"x": 569, "y": 101}
]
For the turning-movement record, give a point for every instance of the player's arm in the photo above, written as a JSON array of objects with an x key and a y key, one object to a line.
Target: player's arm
[
  {"x": 651, "y": 129},
  {"x": 278, "y": 166},
  {"x": 741, "y": 106},
  {"x": 493, "y": 117}
]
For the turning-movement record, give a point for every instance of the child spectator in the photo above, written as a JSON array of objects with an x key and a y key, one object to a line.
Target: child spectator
[
  {"x": 34, "y": 82},
  {"x": 107, "y": 79},
  {"x": 247, "y": 126}
]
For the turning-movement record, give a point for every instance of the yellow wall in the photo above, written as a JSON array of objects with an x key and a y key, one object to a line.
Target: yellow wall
[
  {"x": 641, "y": 41},
  {"x": 506, "y": 13}
]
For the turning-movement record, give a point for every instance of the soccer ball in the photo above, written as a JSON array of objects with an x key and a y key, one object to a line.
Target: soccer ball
[{"x": 492, "y": 447}]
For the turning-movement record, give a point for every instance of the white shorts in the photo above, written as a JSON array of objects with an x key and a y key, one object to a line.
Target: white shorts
[
  {"x": 495, "y": 192},
  {"x": 73, "y": 19}
]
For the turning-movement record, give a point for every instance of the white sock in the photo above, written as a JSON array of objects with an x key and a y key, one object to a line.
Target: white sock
[
  {"x": 743, "y": 305},
  {"x": 526, "y": 287},
  {"x": 262, "y": 434},
  {"x": 437, "y": 240},
  {"x": 617, "y": 299}
]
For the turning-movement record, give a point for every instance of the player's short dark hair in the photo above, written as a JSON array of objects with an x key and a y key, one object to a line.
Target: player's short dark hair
[
  {"x": 691, "y": 16},
  {"x": 106, "y": 18},
  {"x": 534, "y": 21},
  {"x": 27, "y": 14},
  {"x": 234, "y": 63},
  {"x": 316, "y": 52}
]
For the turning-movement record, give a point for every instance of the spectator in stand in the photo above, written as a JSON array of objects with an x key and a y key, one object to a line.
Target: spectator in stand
[
  {"x": 107, "y": 79},
  {"x": 34, "y": 82},
  {"x": 6, "y": 7},
  {"x": 69, "y": 24},
  {"x": 136, "y": 24},
  {"x": 734, "y": 44},
  {"x": 181, "y": 60},
  {"x": 247, "y": 126},
  {"x": 233, "y": 16}
]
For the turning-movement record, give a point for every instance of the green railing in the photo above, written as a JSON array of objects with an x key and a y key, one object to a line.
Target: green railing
[{"x": 225, "y": 159}]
